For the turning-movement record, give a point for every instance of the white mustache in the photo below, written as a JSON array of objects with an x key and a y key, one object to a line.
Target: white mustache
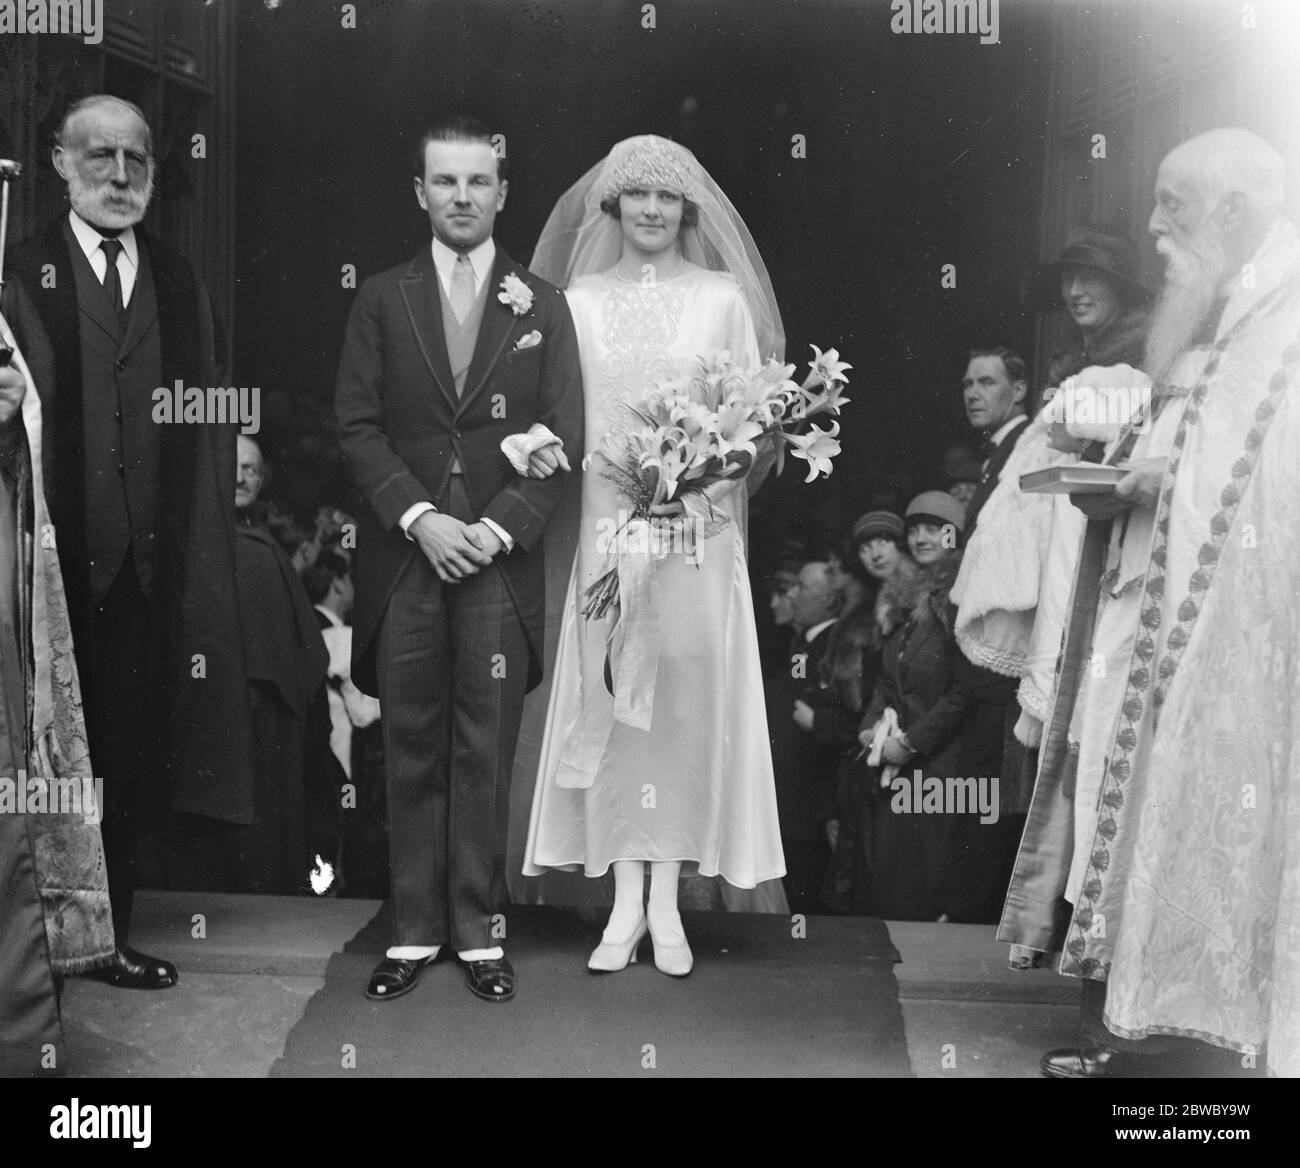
[{"x": 90, "y": 196}]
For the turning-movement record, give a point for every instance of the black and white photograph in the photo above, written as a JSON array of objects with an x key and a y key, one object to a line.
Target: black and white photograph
[{"x": 592, "y": 539}]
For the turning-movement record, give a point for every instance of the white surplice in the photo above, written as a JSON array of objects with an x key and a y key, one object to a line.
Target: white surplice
[{"x": 1186, "y": 880}]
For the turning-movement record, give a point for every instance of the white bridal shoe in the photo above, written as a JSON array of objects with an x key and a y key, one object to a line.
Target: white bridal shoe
[
  {"x": 672, "y": 953},
  {"x": 611, "y": 956}
]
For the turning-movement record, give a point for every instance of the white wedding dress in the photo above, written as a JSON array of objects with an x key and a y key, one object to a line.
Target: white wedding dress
[{"x": 697, "y": 785}]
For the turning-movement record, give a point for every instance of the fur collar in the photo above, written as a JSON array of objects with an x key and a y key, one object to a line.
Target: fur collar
[
  {"x": 917, "y": 592},
  {"x": 1124, "y": 343}
]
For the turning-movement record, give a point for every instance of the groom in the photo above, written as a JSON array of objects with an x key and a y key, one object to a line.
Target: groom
[{"x": 444, "y": 357}]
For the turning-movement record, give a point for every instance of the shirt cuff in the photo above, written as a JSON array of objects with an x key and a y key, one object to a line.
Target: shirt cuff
[
  {"x": 411, "y": 514},
  {"x": 501, "y": 533}
]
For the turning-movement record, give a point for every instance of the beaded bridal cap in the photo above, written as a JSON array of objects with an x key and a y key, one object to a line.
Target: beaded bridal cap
[
  {"x": 580, "y": 239},
  {"x": 650, "y": 162}
]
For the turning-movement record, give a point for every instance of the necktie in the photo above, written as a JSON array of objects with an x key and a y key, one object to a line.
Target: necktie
[
  {"x": 112, "y": 280},
  {"x": 462, "y": 288},
  {"x": 987, "y": 449}
]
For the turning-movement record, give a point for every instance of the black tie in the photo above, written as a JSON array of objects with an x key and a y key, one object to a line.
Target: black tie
[
  {"x": 988, "y": 449},
  {"x": 112, "y": 280}
]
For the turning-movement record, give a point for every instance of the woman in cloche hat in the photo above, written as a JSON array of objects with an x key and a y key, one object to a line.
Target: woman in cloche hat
[
  {"x": 916, "y": 703},
  {"x": 1096, "y": 279}
]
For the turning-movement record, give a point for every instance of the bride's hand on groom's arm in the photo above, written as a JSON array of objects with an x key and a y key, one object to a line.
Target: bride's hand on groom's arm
[
  {"x": 545, "y": 461},
  {"x": 455, "y": 549}
]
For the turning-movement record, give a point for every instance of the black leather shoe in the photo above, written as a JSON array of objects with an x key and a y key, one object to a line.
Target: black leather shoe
[
  {"x": 493, "y": 980},
  {"x": 136, "y": 971},
  {"x": 1073, "y": 1062},
  {"x": 394, "y": 977}
]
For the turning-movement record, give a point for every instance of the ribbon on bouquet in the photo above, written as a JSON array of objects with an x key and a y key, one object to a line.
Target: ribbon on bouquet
[{"x": 632, "y": 645}]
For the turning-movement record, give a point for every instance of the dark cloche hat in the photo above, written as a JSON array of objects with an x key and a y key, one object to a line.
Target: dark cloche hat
[
  {"x": 878, "y": 523},
  {"x": 1090, "y": 245}
]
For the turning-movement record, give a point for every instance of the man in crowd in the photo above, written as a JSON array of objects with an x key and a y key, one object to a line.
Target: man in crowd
[
  {"x": 329, "y": 765},
  {"x": 800, "y": 707},
  {"x": 774, "y": 632},
  {"x": 355, "y": 743},
  {"x": 995, "y": 391},
  {"x": 142, "y": 510},
  {"x": 328, "y": 583},
  {"x": 1180, "y": 695},
  {"x": 267, "y": 848}
]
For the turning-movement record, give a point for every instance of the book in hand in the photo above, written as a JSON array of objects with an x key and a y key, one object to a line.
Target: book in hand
[{"x": 1081, "y": 478}]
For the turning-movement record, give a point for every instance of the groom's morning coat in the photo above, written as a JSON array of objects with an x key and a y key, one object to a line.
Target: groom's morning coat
[{"x": 401, "y": 426}]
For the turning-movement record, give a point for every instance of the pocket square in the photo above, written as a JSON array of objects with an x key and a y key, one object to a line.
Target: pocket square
[{"x": 528, "y": 341}]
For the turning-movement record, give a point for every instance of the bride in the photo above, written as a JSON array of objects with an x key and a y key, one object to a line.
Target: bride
[{"x": 660, "y": 271}]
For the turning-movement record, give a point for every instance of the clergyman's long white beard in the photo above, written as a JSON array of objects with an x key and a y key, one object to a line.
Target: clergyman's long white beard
[{"x": 1193, "y": 275}]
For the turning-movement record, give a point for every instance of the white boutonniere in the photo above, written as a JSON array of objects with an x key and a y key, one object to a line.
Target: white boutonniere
[
  {"x": 528, "y": 341},
  {"x": 516, "y": 293}
]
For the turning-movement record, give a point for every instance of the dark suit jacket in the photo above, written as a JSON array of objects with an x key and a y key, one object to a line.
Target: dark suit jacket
[
  {"x": 989, "y": 480},
  {"x": 207, "y": 712},
  {"x": 804, "y": 763},
  {"x": 401, "y": 427},
  {"x": 282, "y": 641}
]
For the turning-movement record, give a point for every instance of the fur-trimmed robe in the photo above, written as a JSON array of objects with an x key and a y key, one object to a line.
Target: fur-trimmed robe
[{"x": 998, "y": 589}]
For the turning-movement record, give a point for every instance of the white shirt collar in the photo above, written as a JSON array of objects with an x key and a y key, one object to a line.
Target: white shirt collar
[
  {"x": 481, "y": 260},
  {"x": 1005, "y": 429},
  {"x": 333, "y": 618},
  {"x": 90, "y": 239},
  {"x": 811, "y": 634}
]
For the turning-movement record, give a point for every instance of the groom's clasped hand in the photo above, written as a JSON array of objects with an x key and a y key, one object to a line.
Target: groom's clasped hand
[{"x": 455, "y": 549}]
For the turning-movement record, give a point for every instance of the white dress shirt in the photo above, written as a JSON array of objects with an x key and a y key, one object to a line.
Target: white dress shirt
[
  {"x": 481, "y": 260},
  {"x": 810, "y": 635},
  {"x": 1003, "y": 430},
  {"x": 128, "y": 259},
  {"x": 998, "y": 435}
]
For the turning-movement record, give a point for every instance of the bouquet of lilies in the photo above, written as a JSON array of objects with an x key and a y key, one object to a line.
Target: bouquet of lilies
[{"x": 707, "y": 427}]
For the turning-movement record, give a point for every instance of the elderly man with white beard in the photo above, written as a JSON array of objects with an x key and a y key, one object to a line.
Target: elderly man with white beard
[
  {"x": 1175, "y": 892},
  {"x": 145, "y": 530}
]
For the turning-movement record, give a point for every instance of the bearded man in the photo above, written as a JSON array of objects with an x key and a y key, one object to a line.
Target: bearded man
[
  {"x": 142, "y": 511},
  {"x": 1180, "y": 684}
]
